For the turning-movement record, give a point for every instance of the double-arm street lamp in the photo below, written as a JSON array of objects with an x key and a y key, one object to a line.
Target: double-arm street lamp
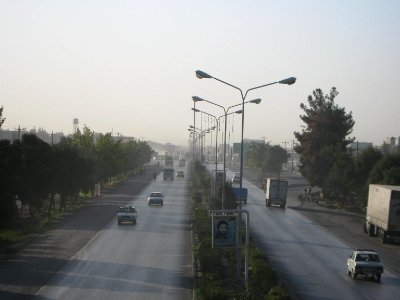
[
  {"x": 288, "y": 81},
  {"x": 216, "y": 147},
  {"x": 195, "y": 110},
  {"x": 198, "y": 99},
  {"x": 201, "y": 133}
]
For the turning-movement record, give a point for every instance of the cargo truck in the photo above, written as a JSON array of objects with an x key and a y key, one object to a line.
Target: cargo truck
[
  {"x": 169, "y": 161},
  {"x": 242, "y": 196},
  {"x": 275, "y": 192},
  {"x": 168, "y": 174},
  {"x": 383, "y": 212}
]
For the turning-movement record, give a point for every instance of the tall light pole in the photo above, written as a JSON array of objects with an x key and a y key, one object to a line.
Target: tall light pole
[
  {"x": 198, "y": 99},
  {"x": 288, "y": 81},
  {"x": 216, "y": 136},
  {"x": 200, "y": 133},
  {"x": 194, "y": 126}
]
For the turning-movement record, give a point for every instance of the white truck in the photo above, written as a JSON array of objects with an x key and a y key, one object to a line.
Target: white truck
[
  {"x": 275, "y": 192},
  {"x": 383, "y": 212}
]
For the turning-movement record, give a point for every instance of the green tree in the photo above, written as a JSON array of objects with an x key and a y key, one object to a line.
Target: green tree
[
  {"x": 36, "y": 157},
  {"x": 10, "y": 165},
  {"x": 364, "y": 165},
  {"x": 340, "y": 180},
  {"x": 110, "y": 156},
  {"x": 266, "y": 158},
  {"x": 1, "y": 116},
  {"x": 72, "y": 173},
  {"x": 137, "y": 154},
  {"x": 386, "y": 171},
  {"x": 326, "y": 129}
]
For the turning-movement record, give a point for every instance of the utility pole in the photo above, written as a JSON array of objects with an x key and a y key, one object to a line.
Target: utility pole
[{"x": 292, "y": 155}]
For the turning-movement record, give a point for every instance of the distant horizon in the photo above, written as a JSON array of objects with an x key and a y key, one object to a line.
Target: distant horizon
[
  {"x": 129, "y": 66},
  {"x": 40, "y": 129}
]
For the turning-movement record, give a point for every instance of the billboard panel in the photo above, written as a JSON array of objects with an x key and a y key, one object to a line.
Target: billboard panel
[{"x": 224, "y": 231}]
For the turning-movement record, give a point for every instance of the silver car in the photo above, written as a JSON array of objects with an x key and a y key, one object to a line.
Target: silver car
[{"x": 155, "y": 198}]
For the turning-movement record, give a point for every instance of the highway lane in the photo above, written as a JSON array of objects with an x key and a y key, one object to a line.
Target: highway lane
[
  {"x": 149, "y": 260},
  {"x": 310, "y": 260}
]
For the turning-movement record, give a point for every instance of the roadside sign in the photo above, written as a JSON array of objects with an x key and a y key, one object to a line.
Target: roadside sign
[{"x": 224, "y": 231}]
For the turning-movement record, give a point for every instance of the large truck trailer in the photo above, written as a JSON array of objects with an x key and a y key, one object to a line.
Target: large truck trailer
[
  {"x": 383, "y": 212},
  {"x": 275, "y": 192},
  {"x": 168, "y": 174}
]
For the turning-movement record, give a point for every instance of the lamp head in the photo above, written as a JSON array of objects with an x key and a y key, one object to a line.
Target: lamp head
[
  {"x": 239, "y": 112},
  {"x": 195, "y": 109},
  {"x": 197, "y": 99},
  {"x": 256, "y": 101},
  {"x": 201, "y": 74},
  {"x": 288, "y": 81}
]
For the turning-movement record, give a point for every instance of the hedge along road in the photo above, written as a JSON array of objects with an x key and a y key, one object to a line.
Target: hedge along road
[{"x": 89, "y": 256}]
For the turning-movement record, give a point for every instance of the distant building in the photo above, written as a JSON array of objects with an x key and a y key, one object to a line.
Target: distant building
[
  {"x": 391, "y": 141},
  {"x": 390, "y": 147}
]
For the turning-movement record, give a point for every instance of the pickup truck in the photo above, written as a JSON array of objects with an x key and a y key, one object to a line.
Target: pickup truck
[
  {"x": 364, "y": 262},
  {"x": 126, "y": 214}
]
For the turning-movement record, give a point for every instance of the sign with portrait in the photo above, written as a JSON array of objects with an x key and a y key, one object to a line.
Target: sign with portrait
[{"x": 224, "y": 231}]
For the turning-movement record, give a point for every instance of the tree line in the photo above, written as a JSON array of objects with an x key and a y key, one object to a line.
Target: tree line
[
  {"x": 34, "y": 172},
  {"x": 326, "y": 160}
]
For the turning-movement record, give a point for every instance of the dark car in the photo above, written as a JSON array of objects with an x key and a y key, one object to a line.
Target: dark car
[{"x": 126, "y": 214}]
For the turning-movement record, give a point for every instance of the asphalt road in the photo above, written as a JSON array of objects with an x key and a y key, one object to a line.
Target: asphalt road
[
  {"x": 310, "y": 260},
  {"x": 149, "y": 260},
  {"x": 88, "y": 256}
]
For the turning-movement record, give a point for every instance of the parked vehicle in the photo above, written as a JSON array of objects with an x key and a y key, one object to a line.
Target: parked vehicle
[
  {"x": 126, "y": 214},
  {"x": 276, "y": 192},
  {"x": 155, "y": 198},
  {"x": 364, "y": 262},
  {"x": 383, "y": 212},
  {"x": 180, "y": 174},
  {"x": 236, "y": 192},
  {"x": 168, "y": 174}
]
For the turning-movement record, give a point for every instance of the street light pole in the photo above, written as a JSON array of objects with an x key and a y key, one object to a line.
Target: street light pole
[
  {"x": 198, "y": 99},
  {"x": 288, "y": 81},
  {"x": 216, "y": 135}
]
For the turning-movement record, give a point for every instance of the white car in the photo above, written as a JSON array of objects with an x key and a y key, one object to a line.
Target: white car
[
  {"x": 364, "y": 262},
  {"x": 155, "y": 198},
  {"x": 235, "y": 177}
]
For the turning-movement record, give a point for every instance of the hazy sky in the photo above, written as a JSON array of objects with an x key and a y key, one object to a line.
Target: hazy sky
[{"x": 128, "y": 66}]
